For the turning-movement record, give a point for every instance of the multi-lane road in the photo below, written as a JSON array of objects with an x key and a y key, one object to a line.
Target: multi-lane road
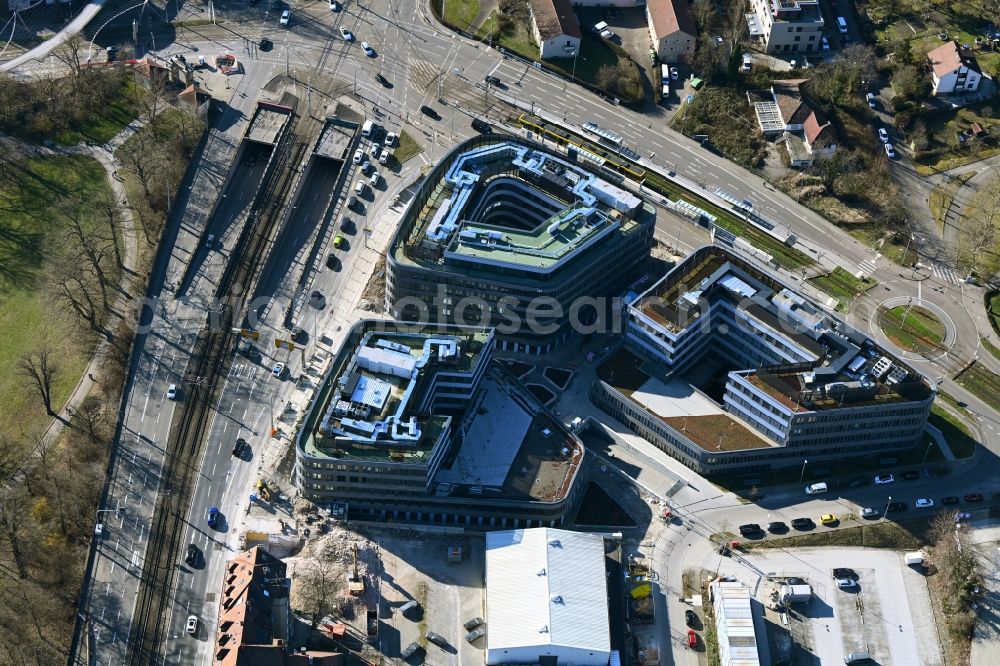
[{"x": 422, "y": 64}]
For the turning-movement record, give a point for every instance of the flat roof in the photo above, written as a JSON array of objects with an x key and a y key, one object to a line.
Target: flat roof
[
  {"x": 335, "y": 139},
  {"x": 267, "y": 122}
]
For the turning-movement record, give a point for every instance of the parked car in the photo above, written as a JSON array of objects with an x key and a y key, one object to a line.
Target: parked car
[
  {"x": 883, "y": 134},
  {"x": 870, "y": 98},
  {"x": 492, "y": 80},
  {"x": 429, "y": 112},
  {"x": 826, "y": 43},
  {"x": 481, "y": 126},
  {"x": 191, "y": 626},
  {"x": 369, "y": 51},
  {"x": 238, "y": 447},
  {"x": 951, "y": 499},
  {"x": 334, "y": 6},
  {"x": 882, "y": 479},
  {"x": 911, "y": 475},
  {"x": 278, "y": 369},
  {"x": 376, "y": 147},
  {"x": 317, "y": 298},
  {"x": 891, "y": 154},
  {"x": 172, "y": 392},
  {"x": 828, "y": 519},
  {"x": 475, "y": 634},
  {"x": 777, "y": 527},
  {"x": 359, "y": 155},
  {"x": 384, "y": 157},
  {"x": 895, "y": 507},
  {"x": 435, "y": 638},
  {"x": 973, "y": 497},
  {"x": 286, "y": 16},
  {"x": 346, "y": 34},
  {"x": 803, "y": 523},
  {"x": 674, "y": 74},
  {"x": 410, "y": 650},
  {"x": 473, "y": 623},
  {"x": 846, "y": 583},
  {"x": 192, "y": 554},
  {"x": 843, "y": 572},
  {"x": 213, "y": 517},
  {"x": 690, "y": 617},
  {"x": 869, "y": 513},
  {"x": 333, "y": 263},
  {"x": 924, "y": 503},
  {"x": 692, "y": 638},
  {"x": 390, "y": 139},
  {"x": 373, "y": 181},
  {"x": 749, "y": 528}
]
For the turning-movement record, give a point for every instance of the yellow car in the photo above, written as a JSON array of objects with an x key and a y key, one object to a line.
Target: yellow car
[{"x": 828, "y": 519}]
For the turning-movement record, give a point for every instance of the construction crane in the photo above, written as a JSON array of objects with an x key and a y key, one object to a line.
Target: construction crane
[{"x": 355, "y": 583}]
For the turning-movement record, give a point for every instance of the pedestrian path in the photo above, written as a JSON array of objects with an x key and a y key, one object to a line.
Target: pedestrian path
[
  {"x": 945, "y": 274},
  {"x": 868, "y": 266}
]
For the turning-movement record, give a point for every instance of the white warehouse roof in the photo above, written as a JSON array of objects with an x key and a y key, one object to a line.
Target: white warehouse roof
[{"x": 546, "y": 591}]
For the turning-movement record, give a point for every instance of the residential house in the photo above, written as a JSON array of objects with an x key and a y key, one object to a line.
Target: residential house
[
  {"x": 254, "y": 616},
  {"x": 672, "y": 29},
  {"x": 786, "y": 26},
  {"x": 953, "y": 70},
  {"x": 555, "y": 28},
  {"x": 195, "y": 99},
  {"x": 784, "y": 112}
]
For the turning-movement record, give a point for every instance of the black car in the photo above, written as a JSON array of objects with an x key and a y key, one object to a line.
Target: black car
[
  {"x": 333, "y": 263},
  {"x": 841, "y": 572},
  {"x": 473, "y": 623},
  {"x": 410, "y": 650},
  {"x": 749, "y": 528},
  {"x": 803, "y": 523},
  {"x": 112, "y": 52},
  {"x": 265, "y": 44},
  {"x": 911, "y": 475},
  {"x": 277, "y": 5},
  {"x": 238, "y": 448},
  {"x": 481, "y": 126},
  {"x": 435, "y": 638},
  {"x": 492, "y": 80},
  {"x": 951, "y": 499},
  {"x": 383, "y": 81},
  {"x": 895, "y": 507},
  {"x": 250, "y": 160},
  {"x": 858, "y": 483},
  {"x": 690, "y": 617},
  {"x": 974, "y": 497},
  {"x": 192, "y": 554},
  {"x": 429, "y": 112},
  {"x": 777, "y": 527}
]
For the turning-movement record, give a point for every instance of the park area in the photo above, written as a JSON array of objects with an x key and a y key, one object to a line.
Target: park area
[
  {"x": 912, "y": 328},
  {"x": 39, "y": 259}
]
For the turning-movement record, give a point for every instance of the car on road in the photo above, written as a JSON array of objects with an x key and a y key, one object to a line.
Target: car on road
[
  {"x": 390, "y": 139},
  {"x": 828, "y": 519},
  {"x": 475, "y": 634},
  {"x": 749, "y": 528},
  {"x": 890, "y": 152},
  {"x": 858, "y": 483},
  {"x": 870, "y": 98},
  {"x": 333, "y": 263},
  {"x": 191, "y": 626},
  {"x": 192, "y": 554},
  {"x": 369, "y": 51},
  {"x": 973, "y": 497},
  {"x": 951, "y": 499},
  {"x": 210, "y": 241},
  {"x": 317, "y": 298},
  {"x": 286, "y": 16},
  {"x": 238, "y": 448},
  {"x": 883, "y": 479},
  {"x": 777, "y": 527},
  {"x": 910, "y": 475},
  {"x": 410, "y": 650},
  {"x": 250, "y": 159},
  {"x": 883, "y": 134},
  {"x": 346, "y": 34},
  {"x": 843, "y": 572},
  {"x": 334, "y": 6},
  {"x": 265, "y": 44},
  {"x": 359, "y": 155},
  {"x": 172, "y": 392},
  {"x": 674, "y": 74},
  {"x": 803, "y": 523},
  {"x": 492, "y": 80},
  {"x": 473, "y": 623},
  {"x": 429, "y": 112},
  {"x": 690, "y": 617},
  {"x": 826, "y": 43},
  {"x": 924, "y": 503},
  {"x": 847, "y": 583},
  {"x": 213, "y": 517},
  {"x": 383, "y": 81},
  {"x": 435, "y": 638},
  {"x": 278, "y": 370},
  {"x": 373, "y": 180},
  {"x": 481, "y": 126},
  {"x": 895, "y": 507},
  {"x": 869, "y": 513},
  {"x": 692, "y": 638},
  {"x": 99, "y": 530}
]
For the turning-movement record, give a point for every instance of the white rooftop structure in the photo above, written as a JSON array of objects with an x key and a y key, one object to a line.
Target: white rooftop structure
[
  {"x": 734, "y": 624},
  {"x": 546, "y": 596}
]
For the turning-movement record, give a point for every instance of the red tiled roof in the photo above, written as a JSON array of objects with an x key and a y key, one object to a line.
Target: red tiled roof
[
  {"x": 788, "y": 96},
  {"x": 554, "y": 18},
  {"x": 946, "y": 58},
  {"x": 819, "y": 132},
  {"x": 669, "y": 16}
]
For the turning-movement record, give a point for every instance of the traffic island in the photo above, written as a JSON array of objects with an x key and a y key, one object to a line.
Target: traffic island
[{"x": 912, "y": 328}]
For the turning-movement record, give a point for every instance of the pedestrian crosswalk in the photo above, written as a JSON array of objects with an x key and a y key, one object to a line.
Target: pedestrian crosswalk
[
  {"x": 868, "y": 266},
  {"x": 945, "y": 274}
]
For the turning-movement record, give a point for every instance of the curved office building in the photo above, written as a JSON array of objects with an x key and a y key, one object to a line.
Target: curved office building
[{"x": 506, "y": 233}]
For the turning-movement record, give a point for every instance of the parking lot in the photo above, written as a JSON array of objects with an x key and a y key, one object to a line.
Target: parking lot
[
  {"x": 887, "y": 613},
  {"x": 415, "y": 566}
]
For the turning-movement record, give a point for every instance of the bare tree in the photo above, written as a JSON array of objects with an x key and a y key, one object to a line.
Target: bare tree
[
  {"x": 320, "y": 587},
  {"x": 71, "y": 54},
  {"x": 74, "y": 289},
  {"x": 14, "y": 525},
  {"x": 38, "y": 369},
  {"x": 92, "y": 248},
  {"x": 112, "y": 216},
  {"x": 977, "y": 237}
]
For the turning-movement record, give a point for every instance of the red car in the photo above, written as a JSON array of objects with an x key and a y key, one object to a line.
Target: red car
[
  {"x": 692, "y": 638},
  {"x": 974, "y": 497}
]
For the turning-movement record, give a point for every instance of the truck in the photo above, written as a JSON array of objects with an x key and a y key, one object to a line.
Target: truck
[{"x": 793, "y": 594}]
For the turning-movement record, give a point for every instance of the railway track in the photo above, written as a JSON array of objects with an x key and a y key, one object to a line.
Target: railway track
[{"x": 210, "y": 359}]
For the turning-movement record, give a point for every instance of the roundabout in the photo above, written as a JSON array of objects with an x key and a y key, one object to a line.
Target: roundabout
[{"x": 918, "y": 328}]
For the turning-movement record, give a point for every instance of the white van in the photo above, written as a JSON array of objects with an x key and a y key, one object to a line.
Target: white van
[
  {"x": 842, "y": 25},
  {"x": 816, "y": 488},
  {"x": 368, "y": 128},
  {"x": 359, "y": 188}
]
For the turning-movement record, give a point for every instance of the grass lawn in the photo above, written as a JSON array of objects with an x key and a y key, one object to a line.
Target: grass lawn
[
  {"x": 957, "y": 434},
  {"x": 460, "y": 13},
  {"x": 407, "y": 148},
  {"x": 518, "y": 40},
  {"x": 983, "y": 383},
  {"x": 993, "y": 309},
  {"x": 990, "y": 347},
  {"x": 594, "y": 54},
  {"x": 724, "y": 115},
  {"x": 28, "y": 246},
  {"x": 942, "y": 197},
  {"x": 104, "y": 124},
  {"x": 946, "y": 151},
  {"x": 912, "y": 328},
  {"x": 842, "y": 285},
  {"x": 910, "y": 534}
]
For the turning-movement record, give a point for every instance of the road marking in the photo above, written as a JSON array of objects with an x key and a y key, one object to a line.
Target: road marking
[{"x": 135, "y": 558}]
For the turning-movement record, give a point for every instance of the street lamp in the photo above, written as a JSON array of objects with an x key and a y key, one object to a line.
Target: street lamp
[
  {"x": 803, "y": 472},
  {"x": 886, "y": 512}
]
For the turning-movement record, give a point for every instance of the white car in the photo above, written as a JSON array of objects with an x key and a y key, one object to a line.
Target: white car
[
  {"x": 384, "y": 157},
  {"x": 278, "y": 369},
  {"x": 889, "y": 151},
  {"x": 924, "y": 503},
  {"x": 334, "y": 6},
  {"x": 285, "y": 17},
  {"x": 210, "y": 241},
  {"x": 607, "y": 34},
  {"x": 826, "y": 43},
  {"x": 674, "y": 73},
  {"x": 882, "y": 479},
  {"x": 883, "y": 134},
  {"x": 172, "y": 392},
  {"x": 390, "y": 139},
  {"x": 870, "y": 98},
  {"x": 346, "y": 34},
  {"x": 869, "y": 512},
  {"x": 369, "y": 51},
  {"x": 365, "y": 166},
  {"x": 374, "y": 179},
  {"x": 358, "y": 156},
  {"x": 192, "y": 624},
  {"x": 846, "y": 583}
]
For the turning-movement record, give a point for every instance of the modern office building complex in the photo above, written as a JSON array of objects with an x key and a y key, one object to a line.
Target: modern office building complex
[
  {"x": 733, "y": 372},
  {"x": 786, "y": 26},
  {"x": 504, "y": 233},
  {"x": 423, "y": 427}
]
